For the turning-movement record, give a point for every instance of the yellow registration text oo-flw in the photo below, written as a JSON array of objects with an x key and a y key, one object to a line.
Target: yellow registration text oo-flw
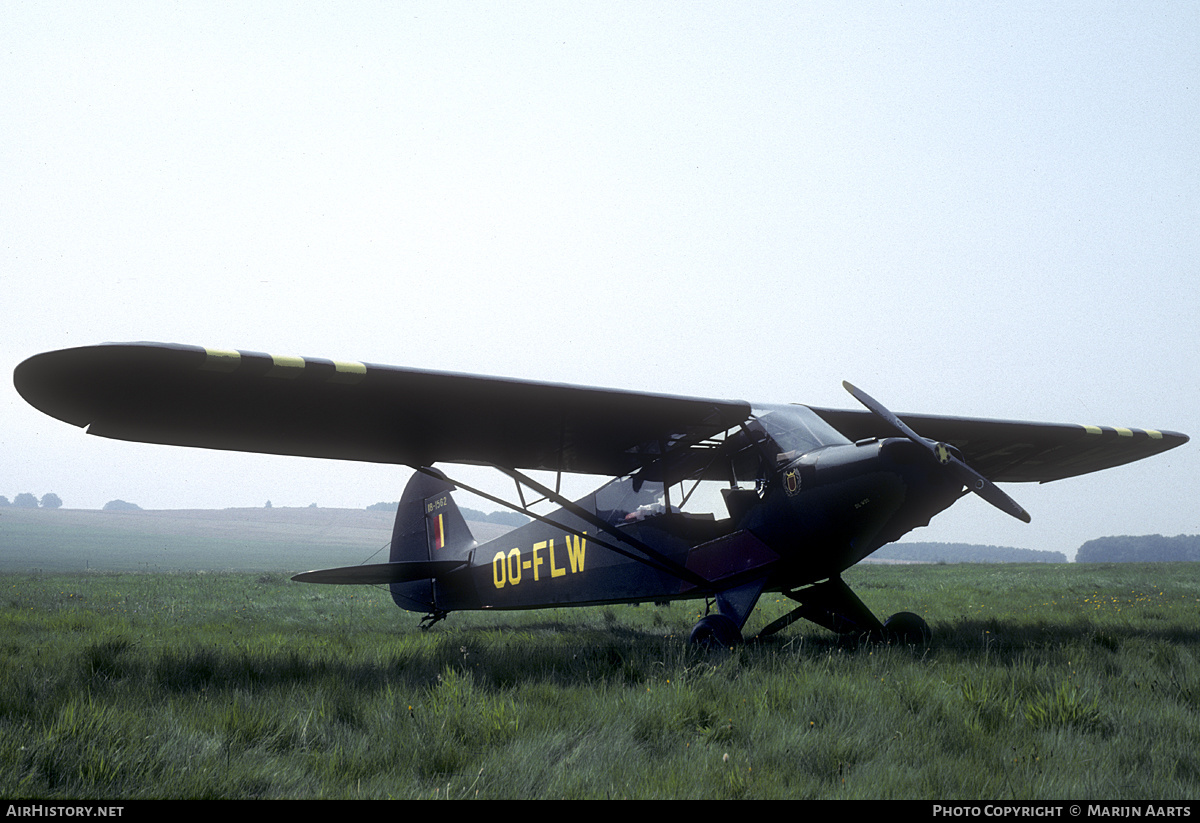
[{"x": 542, "y": 562}]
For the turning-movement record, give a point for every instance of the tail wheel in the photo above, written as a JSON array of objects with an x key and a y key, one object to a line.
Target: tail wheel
[
  {"x": 906, "y": 628},
  {"x": 716, "y": 631}
]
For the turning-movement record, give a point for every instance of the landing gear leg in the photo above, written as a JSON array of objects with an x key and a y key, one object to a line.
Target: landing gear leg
[
  {"x": 831, "y": 604},
  {"x": 724, "y": 629}
]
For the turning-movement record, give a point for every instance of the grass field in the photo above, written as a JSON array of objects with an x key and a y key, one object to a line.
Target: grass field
[{"x": 1067, "y": 682}]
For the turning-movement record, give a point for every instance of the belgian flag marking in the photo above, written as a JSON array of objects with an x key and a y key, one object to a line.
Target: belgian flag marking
[{"x": 439, "y": 532}]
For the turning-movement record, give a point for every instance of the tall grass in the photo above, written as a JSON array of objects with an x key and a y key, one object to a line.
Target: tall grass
[{"x": 1060, "y": 682}]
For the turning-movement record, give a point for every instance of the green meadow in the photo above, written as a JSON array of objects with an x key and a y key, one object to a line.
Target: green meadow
[{"x": 1042, "y": 682}]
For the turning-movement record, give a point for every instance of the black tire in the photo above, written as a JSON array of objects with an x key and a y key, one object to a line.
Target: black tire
[
  {"x": 907, "y": 628},
  {"x": 716, "y": 631}
]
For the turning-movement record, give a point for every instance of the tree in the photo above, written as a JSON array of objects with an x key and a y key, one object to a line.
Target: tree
[
  {"x": 25, "y": 500},
  {"x": 4, "y": 504},
  {"x": 121, "y": 506},
  {"x": 50, "y": 500}
]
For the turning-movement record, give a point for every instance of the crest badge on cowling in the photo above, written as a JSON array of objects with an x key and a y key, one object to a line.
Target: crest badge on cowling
[{"x": 791, "y": 482}]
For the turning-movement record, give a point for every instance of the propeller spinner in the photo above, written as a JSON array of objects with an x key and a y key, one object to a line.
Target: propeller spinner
[{"x": 944, "y": 455}]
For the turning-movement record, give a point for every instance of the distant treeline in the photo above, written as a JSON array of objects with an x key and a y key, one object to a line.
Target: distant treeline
[
  {"x": 965, "y": 553},
  {"x": 503, "y": 518},
  {"x": 1140, "y": 549},
  {"x": 25, "y": 500}
]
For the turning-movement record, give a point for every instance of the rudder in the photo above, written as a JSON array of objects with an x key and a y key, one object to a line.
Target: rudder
[{"x": 428, "y": 526}]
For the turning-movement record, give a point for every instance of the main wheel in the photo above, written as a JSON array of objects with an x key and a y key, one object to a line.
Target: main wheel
[
  {"x": 906, "y": 628},
  {"x": 716, "y": 631}
]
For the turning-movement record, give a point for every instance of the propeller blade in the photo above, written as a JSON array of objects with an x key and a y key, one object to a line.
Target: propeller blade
[
  {"x": 883, "y": 412},
  {"x": 988, "y": 490},
  {"x": 970, "y": 478}
]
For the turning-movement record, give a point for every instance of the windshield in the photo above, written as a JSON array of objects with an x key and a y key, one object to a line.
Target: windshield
[{"x": 797, "y": 428}]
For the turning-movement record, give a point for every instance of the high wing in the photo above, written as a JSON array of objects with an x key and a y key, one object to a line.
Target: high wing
[
  {"x": 254, "y": 402},
  {"x": 248, "y": 401},
  {"x": 1009, "y": 451}
]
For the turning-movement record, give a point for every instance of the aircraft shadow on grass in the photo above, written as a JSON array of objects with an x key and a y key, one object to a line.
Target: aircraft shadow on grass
[{"x": 567, "y": 654}]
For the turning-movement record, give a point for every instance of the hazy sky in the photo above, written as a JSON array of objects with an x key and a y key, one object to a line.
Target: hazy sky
[{"x": 985, "y": 211}]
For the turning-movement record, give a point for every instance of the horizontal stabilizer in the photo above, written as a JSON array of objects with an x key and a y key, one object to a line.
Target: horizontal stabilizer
[{"x": 401, "y": 572}]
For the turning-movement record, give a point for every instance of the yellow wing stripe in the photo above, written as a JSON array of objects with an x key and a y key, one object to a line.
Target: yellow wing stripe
[
  {"x": 286, "y": 366},
  {"x": 220, "y": 360},
  {"x": 349, "y": 371},
  {"x": 1153, "y": 434}
]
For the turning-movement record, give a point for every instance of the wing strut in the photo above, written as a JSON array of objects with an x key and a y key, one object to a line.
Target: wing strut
[
  {"x": 682, "y": 572},
  {"x": 652, "y": 558}
]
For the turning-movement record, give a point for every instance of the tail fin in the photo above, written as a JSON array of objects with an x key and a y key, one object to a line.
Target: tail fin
[{"x": 428, "y": 526}]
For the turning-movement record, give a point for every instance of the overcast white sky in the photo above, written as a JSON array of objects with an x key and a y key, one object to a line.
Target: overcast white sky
[{"x": 985, "y": 211}]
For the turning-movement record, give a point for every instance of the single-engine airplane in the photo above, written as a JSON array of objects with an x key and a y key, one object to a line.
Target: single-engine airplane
[{"x": 804, "y": 492}]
